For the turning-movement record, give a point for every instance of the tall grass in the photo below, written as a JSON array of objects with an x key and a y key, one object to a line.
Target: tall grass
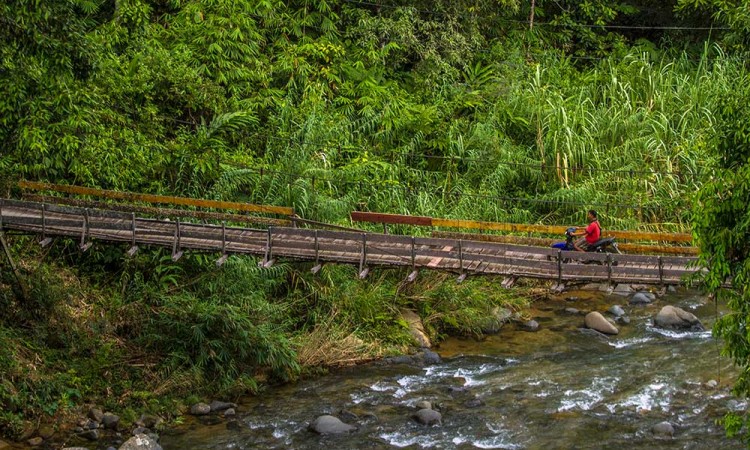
[{"x": 628, "y": 136}]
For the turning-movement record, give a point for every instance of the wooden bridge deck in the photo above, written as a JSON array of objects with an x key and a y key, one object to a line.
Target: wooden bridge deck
[{"x": 362, "y": 249}]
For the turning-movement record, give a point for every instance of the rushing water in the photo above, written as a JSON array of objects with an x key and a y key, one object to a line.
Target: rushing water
[{"x": 561, "y": 387}]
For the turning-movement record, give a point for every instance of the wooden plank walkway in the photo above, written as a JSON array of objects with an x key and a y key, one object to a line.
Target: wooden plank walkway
[{"x": 361, "y": 249}]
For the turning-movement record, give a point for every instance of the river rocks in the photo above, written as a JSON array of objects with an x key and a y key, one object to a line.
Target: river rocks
[
  {"x": 642, "y": 298},
  {"x": 596, "y": 321},
  {"x": 663, "y": 429},
  {"x": 428, "y": 357},
  {"x": 348, "y": 416},
  {"x": 90, "y": 434},
  {"x": 530, "y": 325},
  {"x": 711, "y": 384},
  {"x": 572, "y": 311},
  {"x": 217, "y": 406},
  {"x": 229, "y": 412},
  {"x": 140, "y": 442},
  {"x": 95, "y": 414},
  {"x": 416, "y": 329},
  {"x": 148, "y": 421},
  {"x": 616, "y": 310},
  {"x": 110, "y": 421},
  {"x": 424, "y": 404},
  {"x": 327, "y": 424},
  {"x": 622, "y": 320},
  {"x": 200, "y": 409},
  {"x": 675, "y": 318},
  {"x": 35, "y": 442},
  {"x": 428, "y": 417},
  {"x": 622, "y": 290}
]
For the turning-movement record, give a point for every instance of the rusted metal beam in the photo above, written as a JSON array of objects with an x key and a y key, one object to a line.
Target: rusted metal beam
[
  {"x": 360, "y": 216},
  {"x": 150, "y": 198},
  {"x": 160, "y": 212},
  {"x": 523, "y": 240},
  {"x": 374, "y": 217}
]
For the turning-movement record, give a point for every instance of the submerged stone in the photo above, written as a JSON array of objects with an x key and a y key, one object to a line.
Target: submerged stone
[
  {"x": 327, "y": 424},
  {"x": 428, "y": 417},
  {"x": 676, "y": 318},
  {"x": 663, "y": 429}
]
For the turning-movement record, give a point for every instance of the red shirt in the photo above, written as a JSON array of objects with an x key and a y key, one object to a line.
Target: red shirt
[{"x": 593, "y": 232}]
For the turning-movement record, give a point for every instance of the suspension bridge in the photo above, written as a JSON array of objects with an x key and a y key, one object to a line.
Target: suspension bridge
[{"x": 285, "y": 239}]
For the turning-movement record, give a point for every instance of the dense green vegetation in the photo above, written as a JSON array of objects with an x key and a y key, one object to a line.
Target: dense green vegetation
[{"x": 477, "y": 110}]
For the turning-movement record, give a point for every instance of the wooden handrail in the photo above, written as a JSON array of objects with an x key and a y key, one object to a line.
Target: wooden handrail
[
  {"x": 372, "y": 217},
  {"x": 522, "y": 240},
  {"x": 150, "y": 198}
]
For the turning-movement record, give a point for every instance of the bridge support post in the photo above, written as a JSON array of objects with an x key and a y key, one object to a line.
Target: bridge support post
[
  {"x": 363, "y": 270},
  {"x": 224, "y": 256},
  {"x": 133, "y": 247},
  {"x": 609, "y": 269},
  {"x": 45, "y": 240},
  {"x": 316, "y": 268},
  {"x": 559, "y": 266},
  {"x": 661, "y": 272},
  {"x": 176, "y": 252},
  {"x": 268, "y": 259},
  {"x": 460, "y": 256},
  {"x": 461, "y": 274},
  {"x": 85, "y": 245}
]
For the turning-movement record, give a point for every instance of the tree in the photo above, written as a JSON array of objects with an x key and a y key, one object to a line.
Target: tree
[{"x": 721, "y": 223}]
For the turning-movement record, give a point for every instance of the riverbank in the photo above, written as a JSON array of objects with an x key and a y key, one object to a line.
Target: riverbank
[{"x": 147, "y": 337}]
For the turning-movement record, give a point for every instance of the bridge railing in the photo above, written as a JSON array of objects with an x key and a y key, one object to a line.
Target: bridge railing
[
  {"x": 283, "y": 211},
  {"x": 677, "y": 241}
]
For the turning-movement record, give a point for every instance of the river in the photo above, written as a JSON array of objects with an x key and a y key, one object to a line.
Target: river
[{"x": 561, "y": 387}]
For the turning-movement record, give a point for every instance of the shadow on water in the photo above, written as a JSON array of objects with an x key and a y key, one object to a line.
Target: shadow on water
[{"x": 561, "y": 387}]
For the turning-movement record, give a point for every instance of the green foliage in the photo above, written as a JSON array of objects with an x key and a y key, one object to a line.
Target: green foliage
[
  {"x": 442, "y": 108},
  {"x": 721, "y": 223}
]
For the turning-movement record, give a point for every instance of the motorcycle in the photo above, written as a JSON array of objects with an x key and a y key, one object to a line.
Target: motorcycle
[{"x": 603, "y": 245}]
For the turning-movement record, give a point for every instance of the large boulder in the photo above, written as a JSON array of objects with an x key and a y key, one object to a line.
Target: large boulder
[
  {"x": 218, "y": 406},
  {"x": 675, "y": 318},
  {"x": 663, "y": 429},
  {"x": 140, "y": 442},
  {"x": 110, "y": 421},
  {"x": 428, "y": 417},
  {"x": 416, "y": 328},
  {"x": 596, "y": 321},
  {"x": 330, "y": 425}
]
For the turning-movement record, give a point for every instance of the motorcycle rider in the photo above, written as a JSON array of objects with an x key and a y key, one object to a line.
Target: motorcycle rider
[{"x": 590, "y": 234}]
